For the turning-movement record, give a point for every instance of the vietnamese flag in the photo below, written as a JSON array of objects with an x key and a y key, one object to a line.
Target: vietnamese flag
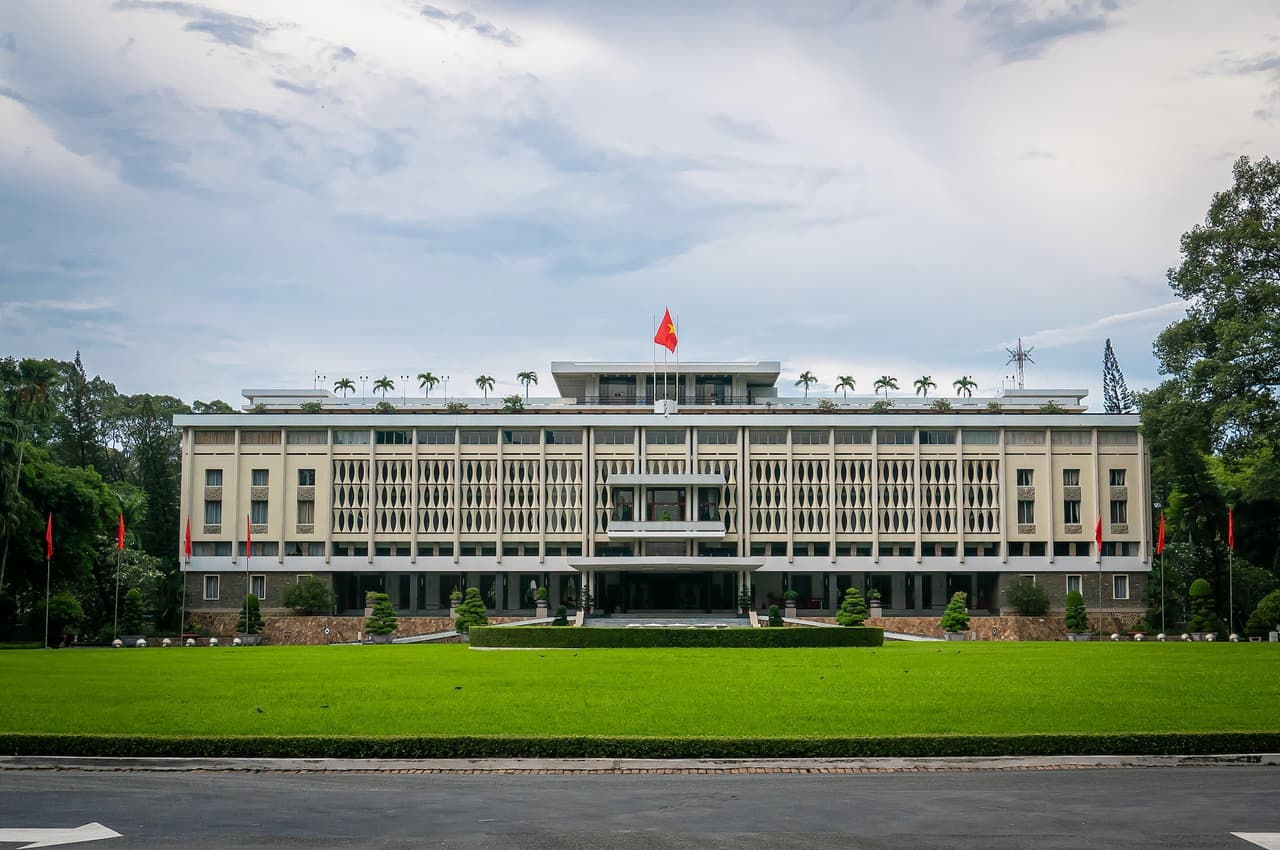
[
  {"x": 1160, "y": 538},
  {"x": 1231, "y": 529},
  {"x": 666, "y": 335},
  {"x": 120, "y": 535},
  {"x": 1097, "y": 533},
  {"x": 186, "y": 541},
  {"x": 48, "y": 539}
]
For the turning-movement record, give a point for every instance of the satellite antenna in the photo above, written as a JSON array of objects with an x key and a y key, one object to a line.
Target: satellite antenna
[{"x": 1020, "y": 357}]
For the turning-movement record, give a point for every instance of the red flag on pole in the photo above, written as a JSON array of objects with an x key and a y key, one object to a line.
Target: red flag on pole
[
  {"x": 1097, "y": 532},
  {"x": 186, "y": 541},
  {"x": 1160, "y": 538},
  {"x": 666, "y": 335},
  {"x": 120, "y": 536},
  {"x": 1231, "y": 529},
  {"x": 48, "y": 539},
  {"x": 248, "y": 538}
]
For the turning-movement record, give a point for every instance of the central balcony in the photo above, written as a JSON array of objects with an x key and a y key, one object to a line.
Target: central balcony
[{"x": 658, "y": 529}]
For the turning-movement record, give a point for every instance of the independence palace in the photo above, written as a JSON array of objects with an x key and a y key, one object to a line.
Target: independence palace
[{"x": 666, "y": 498}]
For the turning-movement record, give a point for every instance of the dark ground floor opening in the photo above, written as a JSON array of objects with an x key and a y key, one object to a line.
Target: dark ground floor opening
[{"x": 682, "y": 591}]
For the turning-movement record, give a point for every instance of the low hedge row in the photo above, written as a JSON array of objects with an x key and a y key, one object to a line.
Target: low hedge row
[
  {"x": 475, "y": 746},
  {"x": 591, "y": 638}
]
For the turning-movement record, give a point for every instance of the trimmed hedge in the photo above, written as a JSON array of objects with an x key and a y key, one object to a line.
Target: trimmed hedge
[
  {"x": 525, "y": 637},
  {"x": 480, "y": 746}
]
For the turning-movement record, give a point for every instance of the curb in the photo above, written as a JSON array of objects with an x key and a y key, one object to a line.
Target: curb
[{"x": 625, "y": 766}]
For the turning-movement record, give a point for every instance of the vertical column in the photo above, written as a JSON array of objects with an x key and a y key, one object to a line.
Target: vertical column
[
  {"x": 1143, "y": 502},
  {"x": 187, "y": 498},
  {"x": 373, "y": 491},
  {"x": 915, "y": 495},
  {"x": 328, "y": 482},
  {"x": 1097, "y": 497},
  {"x": 284, "y": 504},
  {"x": 960, "y": 501},
  {"x": 1050, "y": 489},
  {"x": 790, "y": 504},
  {"x": 501, "y": 500},
  {"x": 589, "y": 491},
  {"x": 237, "y": 522},
  {"x": 744, "y": 490},
  {"x": 457, "y": 493},
  {"x": 831, "y": 492},
  {"x": 875, "y": 496},
  {"x": 415, "y": 481},
  {"x": 1002, "y": 476},
  {"x": 542, "y": 498}
]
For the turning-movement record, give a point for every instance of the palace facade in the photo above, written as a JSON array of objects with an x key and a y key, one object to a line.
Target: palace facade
[{"x": 666, "y": 495}]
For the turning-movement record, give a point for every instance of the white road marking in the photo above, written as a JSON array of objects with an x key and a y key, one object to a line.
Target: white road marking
[
  {"x": 53, "y": 837},
  {"x": 1265, "y": 840}
]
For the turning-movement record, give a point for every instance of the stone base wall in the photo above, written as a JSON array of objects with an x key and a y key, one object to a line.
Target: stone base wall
[
  {"x": 309, "y": 631},
  {"x": 1001, "y": 628}
]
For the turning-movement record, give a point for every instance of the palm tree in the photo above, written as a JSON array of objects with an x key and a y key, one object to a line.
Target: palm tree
[
  {"x": 965, "y": 384},
  {"x": 427, "y": 382},
  {"x": 527, "y": 378},
  {"x": 806, "y": 378},
  {"x": 346, "y": 385},
  {"x": 384, "y": 385},
  {"x": 886, "y": 383},
  {"x": 923, "y": 384},
  {"x": 485, "y": 383},
  {"x": 845, "y": 383}
]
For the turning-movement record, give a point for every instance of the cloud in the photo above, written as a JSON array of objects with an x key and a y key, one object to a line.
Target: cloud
[
  {"x": 233, "y": 30},
  {"x": 343, "y": 54},
  {"x": 1019, "y": 31},
  {"x": 296, "y": 88},
  {"x": 468, "y": 21},
  {"x": 1055, "y": 337}
]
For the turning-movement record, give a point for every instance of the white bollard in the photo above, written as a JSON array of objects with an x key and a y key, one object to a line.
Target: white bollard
[
  {"x": 117, "y": 643},
  {"x": 1161, "y": 637},
  {"x": 213, "y": 641},
  {"x": 1115, "y": 636},
  {"x": 1186, "y": 636},
  {"x": 1139, "y": 637},
  {"x": 166, "y": 642},
  {"x": 141, "y": 644},
  {"x": 1235, "y": 638},
  {"x": 191, "y": 642}
]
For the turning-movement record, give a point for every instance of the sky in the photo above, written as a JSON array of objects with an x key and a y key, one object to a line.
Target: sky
[{"x": 206, "y": 196}]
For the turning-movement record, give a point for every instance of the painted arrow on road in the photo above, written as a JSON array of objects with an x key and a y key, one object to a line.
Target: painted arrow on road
[
  {"x": 1266, "y": 840},
  {"x": 53, "y": 837}
]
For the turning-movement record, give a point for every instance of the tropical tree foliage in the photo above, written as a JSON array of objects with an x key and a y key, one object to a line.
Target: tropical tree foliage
[
  {"x": 965, "y": 384},
  {"x": 527, "y": 378},
  {"x": 806, "y": 378},
  {"x": 346, "y": 386},
  {"x": 384, "y": 385},
  {"x": 1116, "y": 396},
  {"x": 886, "y": 383},
  {"x": 844, "y": 384},
  {"x": 427, "y": 382},
  {"x": 485, "y": 383},
  {"x": 923, "y": 384}
]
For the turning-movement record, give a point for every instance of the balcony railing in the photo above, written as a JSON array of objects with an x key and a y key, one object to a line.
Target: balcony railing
[{"x": 643, "y": 399}]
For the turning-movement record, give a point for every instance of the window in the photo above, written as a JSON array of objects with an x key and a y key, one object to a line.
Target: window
[
  {"x": 307, "y": 438},
  {"x": 436, "y": 437},
  {"x": 299, "y": 549},
  {"x": 853, "y": 437},
  {"x": 212, "y": 512},
  {"x": 1119, "y": 587},
  {"x": 1026, "y": 511},
  {"x": 258, "y": 512},
  {"x": 1071, "y": 478},
  {"x": 479, "y": 438},
  {"x": 213, "y": 478},
  {"x": 351, "y": 438},
  {"x": 268, "y": 548},
  {"x": 259, "y": 438},
  {"x": 809, "y": 438},
  {"x": 664, "y": 437},
  {"x": 564, "y": 437},
  {"x": 306, "y": 512},
  {"x": 768, "y": 437},
  {"x": 215, "y": 438},
  {"x": 1119, "y": 511},
  {"x": 1071, "y": 511},
  {"x": 1072, "y": 438},
  {"x": 895, "y": 438},
  {"x": 1073, "y": 583},
  {"x": 1026, "y": 477},
  {"x": 258, "y": 586},
  {"x": 1029, "y": 578},
  {"x": 1024, "y": 438},
  {"x": 392, "y": 438},
  {"x": 211, "y": 549},
  {"x": 937, "y": 438},
  {"x": 1117, "y": 438},
  {"x": 1117, "y": 478},
  {"x": 980, "y": 438},
  {"x": 1036, "y": 548},
  {"x": 614, "y": 437},
  {"x": 261, "y": 477},
  {"x": 717, "y": 436},
  {"x": 306, "y": 478},
  {"x": 212, "y": 586},
  {"x": 520, "y": 438}
]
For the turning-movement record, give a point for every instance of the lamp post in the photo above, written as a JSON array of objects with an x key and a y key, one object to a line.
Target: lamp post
[
  {"x": 444, "y": 379},
  {"x": 404, "y": 381},
  {"x": 363, "y": 394},
  {"x": 318, "y": 380}
]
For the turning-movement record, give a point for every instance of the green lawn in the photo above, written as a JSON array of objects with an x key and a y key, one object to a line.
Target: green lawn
[{"x": 912, "y": 689}]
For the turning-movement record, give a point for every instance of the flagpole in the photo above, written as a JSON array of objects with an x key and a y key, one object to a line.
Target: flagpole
[
  {"x": 115, "y": 613},
  {"x": 1163, "y": 602},
  {"x": 1231, "y": 610},
  {"x": 676, "y": 322},
  {"x": 46, "y": 601},
  {"x": 248, "y": 547},
  {"x": 654, "y": 352}
]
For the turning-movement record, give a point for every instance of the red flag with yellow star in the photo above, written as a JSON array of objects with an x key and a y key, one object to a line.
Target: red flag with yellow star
[{"x": 666, "y": 335}]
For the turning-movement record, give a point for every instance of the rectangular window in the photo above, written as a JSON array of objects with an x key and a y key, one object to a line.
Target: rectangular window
[
  {"x": 212, "y": 549},
  {"x": 1072, "y": 438},
  {"x": 213, "y": 478},
  {"x": 261, "y": 477},
  {"x": 1028, "y": 578},
  {"x": 1117, "y": 438},
  {"x": 1024, "y": 438},
  {"x": 1071, "y": 478},
  {"x": 392, "y": 438},
  {"x": 895, "y": 438},
  {"x": 306, "y": 512},
  {"x": 565, "y": 437},
  {"x": 258, "y": 586},
  {"x": 259, "y": 438},
  {"x": 435, "y": 437},
  {"x": 1026, "y": 512},
  {"x": 614, "y": 437},
  {"x": 1073, "y": 583},
  {"x": 809, "y": 438},
  {"x": 212, "y": 587},
  {"x": 213, "y": 513},
  {"x": 853, "y": 436},
  {"x": 1120, "y": 587},
  {"x": 480, "y": 438},
  {"x": 1071, "y": 511},
  {"x": 215, "y": 438},
  {"x": 1119, "y": 511},
  {"x": 768, "y": 437},
  {"x": 717, "y": 436},
  {"x": 938, "y": 438},
  {"x": 307, "y": 438},
  {"x": 1117, "y": 477},
  {"x": 512, "y": 437},
  {"x": 351, "y": 438},
  {"x": 974, "y": 437},
  {"x": 269, "y": 548},
  {"x": 306, "y": 478},
  {"x": 1026, "y": 477},
  {"x": 664, "y": 437},
  {"x": 258, "y": 512}
]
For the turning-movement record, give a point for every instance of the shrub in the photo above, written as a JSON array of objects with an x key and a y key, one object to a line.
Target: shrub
[
  {"x": 131, "y": 615},
  {"x": 881, "y": 406},
  {"x": 775, "y": 616},
  {"x": 250, "y": 619},
  {"x": 384, "y": 406},
  {"x": 549, "y": 636},
  {"x": 456, "y": 407},
  {"x": 941, "y": 404},
  {"x": 512, "y": 404},
  {"x": 1204, "y": 618},
  {"x": 853, "y": 610},
  {"x": 955, "y": 618},
  {"x": 1075, "y": 616},
  {"x": 1051, "y": 407},
  {"x": 64, "y": 614},
  {"x": 471, "y": 612},
  {"x": 746, "y": 598},
  {"x": 1029, "y": 598},
  {"x": 383, "y": 619},
  {"x": 540, "y": 595},
  {"x": 791, "y": 595},
  {"x": 994, "y": 406},
  {"x": 309, "y": 596},
  {"x": 312, "y": 407},
  {"x": 1266, "y": 617},
  {"x": 826, "y": 405},
  {"x": 562, "y": 617}
]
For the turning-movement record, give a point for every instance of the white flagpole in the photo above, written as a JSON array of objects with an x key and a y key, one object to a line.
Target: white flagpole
[
  {"x": 654, "y": 351},
  {"x": 1231, "y": 593},
  {"x": 676, "y": 324},
  {"x": 248, "y": 546},
  {"x": 115, "y": 615},
  {"x": 47, "y": 574}
]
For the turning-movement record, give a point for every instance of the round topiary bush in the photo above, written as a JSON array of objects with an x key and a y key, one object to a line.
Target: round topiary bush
[
  {"x": 853, "y": 609},
  {"x": 562, "y": 617},
  {"x": 471, "y": 612},
  {"x": 775, "y": 616},
  {"x": 955, "y": 618},
  {"x": 1266, "y": 617},
  {"x": 1204, "y": 616},
  {"x": 1075, "y": 616}
]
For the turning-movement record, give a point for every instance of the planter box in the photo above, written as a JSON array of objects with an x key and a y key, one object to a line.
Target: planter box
[
  {"x": 1079, "y": 637},
  {"x": 540, "y": 609},
  {"x": 380, "y": 638},
  {"x": 956, "y": 635},
  {"x": 789, "y": 610},
  {"x": 875, "y": 611}
]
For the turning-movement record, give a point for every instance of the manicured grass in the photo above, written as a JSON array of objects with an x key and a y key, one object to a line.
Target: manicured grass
[{"x": 899, "y": 689}]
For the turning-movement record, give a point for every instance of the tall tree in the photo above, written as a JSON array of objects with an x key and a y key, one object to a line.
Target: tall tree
[
  {"x": 527, "y": 378},
  {"x": 806, "y": 378},
  {"x": 427, "y": 382},
  {"x": 886, "y": 383},
  {"x": 845, "y": 383},
  {"x": 965, "y": 384},
  {"x": 1116, "y": 397},
  {"x": 485, "y": 383},
  {"x": 384, "y": 385},
  {"x": 923, "y": 384},
  {"x": 345, "y": 385}
]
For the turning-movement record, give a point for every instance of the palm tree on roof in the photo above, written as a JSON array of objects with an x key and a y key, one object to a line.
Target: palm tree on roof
[
  {"x": 345, "y": 385},
  {"x": 527, "y": 378},
  {"x": 427, "y": 382},
  {"x": 886, "y": 383},
  {"x": 485, "y": 383},
  {"x": 384, "y": 385},
  {"x": 923, "y": 384},
  {"x": 845, "y": 383},
  {"x": 806, "y": 378},
  {"x": 965, "y": 384}
]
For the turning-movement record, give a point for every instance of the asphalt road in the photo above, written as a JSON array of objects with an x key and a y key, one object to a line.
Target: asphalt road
[{"x": 1120, "y": 808}]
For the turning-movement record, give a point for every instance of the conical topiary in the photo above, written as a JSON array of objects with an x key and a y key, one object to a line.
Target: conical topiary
[
  {"x": 775, "y": 617},
  {"x": 250, "y": 620},
  {"x": 131, "y": 615},
  {"x": 1204, "y": 616},
  {"x": 955, "y": 618},
  {"x": 382, "y": 620},
  {"x": 853, "y": 609},
  {"x": 1075, "y": 615},
  {"x": 562, "y": 617},
  {"x": 471, "y": 612}
]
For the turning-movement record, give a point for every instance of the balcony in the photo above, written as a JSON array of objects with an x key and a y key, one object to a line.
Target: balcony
[{"x": 666, "y": 529}]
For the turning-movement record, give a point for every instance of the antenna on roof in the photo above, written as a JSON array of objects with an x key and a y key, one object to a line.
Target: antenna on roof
[{"x": 1020, "y": 357}]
